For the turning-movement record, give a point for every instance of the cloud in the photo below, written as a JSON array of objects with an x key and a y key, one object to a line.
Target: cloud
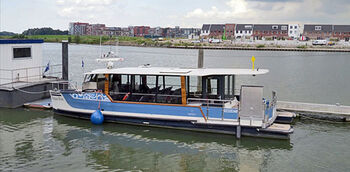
[
  {"x": 273, "y": 11},
  {"x": 236, "y": 7},
  {"x": 84, "y": 9}
]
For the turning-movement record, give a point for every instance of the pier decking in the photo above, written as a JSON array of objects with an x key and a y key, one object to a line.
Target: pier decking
[{"x": 320, "y": 111}]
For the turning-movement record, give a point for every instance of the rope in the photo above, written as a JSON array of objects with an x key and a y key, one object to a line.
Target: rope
[
  {"x": 30, "y": 92},
  {"x": 99, "y": 102}
]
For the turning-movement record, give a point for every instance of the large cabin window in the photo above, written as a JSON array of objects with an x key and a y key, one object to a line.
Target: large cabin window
[
  {"x": 194, "y": 87},
  {"x": 142, "y": 88},
  {"x": 90, "y": 82}
]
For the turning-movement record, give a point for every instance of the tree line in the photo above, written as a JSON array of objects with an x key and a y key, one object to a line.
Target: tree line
[{"x": 44, "y": 31}]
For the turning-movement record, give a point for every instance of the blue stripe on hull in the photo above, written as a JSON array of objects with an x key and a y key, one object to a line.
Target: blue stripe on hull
[
  {"x": 184, "y": 111},
  {"x": 178, "y": 124}
]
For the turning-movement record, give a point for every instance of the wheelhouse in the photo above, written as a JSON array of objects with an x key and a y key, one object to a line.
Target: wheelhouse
[{"x": 165, "y": 85}]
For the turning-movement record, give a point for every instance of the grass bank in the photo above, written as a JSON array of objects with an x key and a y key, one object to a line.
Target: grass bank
[
  {"x": 177, "y": 43},
  {"x": 92, "y": 39}
]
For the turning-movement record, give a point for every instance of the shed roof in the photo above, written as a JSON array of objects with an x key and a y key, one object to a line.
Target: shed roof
[
  {"x": 324, "y": 28},
  {"x": 217, "y": 27},
  {"x": 205, "y": 26},
  {"x": 268, "y": 27},
  {"x": 341, "y": 28},
  {"x": 21, "y": 41},
  {"x": 243, "y": 27}
]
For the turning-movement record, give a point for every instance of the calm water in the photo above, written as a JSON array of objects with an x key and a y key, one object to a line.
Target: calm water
[{"x": 34, "y": 140}]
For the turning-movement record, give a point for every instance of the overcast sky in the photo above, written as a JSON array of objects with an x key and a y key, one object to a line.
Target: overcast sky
[{"x": 19, "y": 15}]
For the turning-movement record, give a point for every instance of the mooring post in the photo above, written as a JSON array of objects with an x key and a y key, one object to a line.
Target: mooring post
[
  {"x": 200, "y": 65},
  {"x": 65, "y": 60},
  {"x": 200, "y": 58},
  {"x": 238, "y": 132}
]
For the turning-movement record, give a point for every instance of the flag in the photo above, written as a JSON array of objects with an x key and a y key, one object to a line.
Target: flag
[
  {"x": 47, "y": 68},
  {"x": 82, "y": 63}
]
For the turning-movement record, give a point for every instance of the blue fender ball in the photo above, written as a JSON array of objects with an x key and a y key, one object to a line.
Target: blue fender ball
[{"x": 97, "y": 117}]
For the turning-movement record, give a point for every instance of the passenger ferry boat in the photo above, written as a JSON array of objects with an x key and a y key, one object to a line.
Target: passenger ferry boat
[{"x": 199, "y": 99}]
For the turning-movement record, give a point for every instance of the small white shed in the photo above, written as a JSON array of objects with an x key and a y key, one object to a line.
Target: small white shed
[{"x": 20, "y": 60}]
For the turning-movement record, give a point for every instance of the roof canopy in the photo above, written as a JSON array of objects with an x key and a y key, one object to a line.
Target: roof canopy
[{"x": 179, "y": 71}]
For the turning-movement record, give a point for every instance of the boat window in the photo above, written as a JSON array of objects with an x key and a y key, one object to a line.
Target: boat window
[
  {"x": 90, "y": 78},
  {"x": 169, "y": 89},
  {"x": 229, "y": 87},
  {"x": 90, "y": 82},
  {"x": 195, "y": 87},
  {"x": 101, "y": 82},
  {"x": 212, "y": 87}
]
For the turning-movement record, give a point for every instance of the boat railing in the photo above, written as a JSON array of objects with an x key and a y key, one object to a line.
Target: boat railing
[
  {"x": 270, "y": 109},
  {"x": 64, "y": 85},
  {"x": 146, "y": 97},
  {"x": 209, "y": 104}
]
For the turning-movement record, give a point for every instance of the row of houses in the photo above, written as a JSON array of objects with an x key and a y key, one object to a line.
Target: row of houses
[
  {"x": 276, "y": 31},
  {"x": 77, "y": 28},
  {"x": 229, "y": 31}
]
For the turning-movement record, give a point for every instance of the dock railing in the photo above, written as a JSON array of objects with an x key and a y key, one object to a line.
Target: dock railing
[{"x": 28, "y": 75}]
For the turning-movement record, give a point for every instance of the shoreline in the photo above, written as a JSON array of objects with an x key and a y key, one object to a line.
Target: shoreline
[
  {"x": 309, "y": 49},
  {"x": 257, "y": 45},
  {"x": 213, "y": 47}
]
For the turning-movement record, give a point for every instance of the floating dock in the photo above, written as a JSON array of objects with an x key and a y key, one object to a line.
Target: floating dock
[
  {"x": 319, "y": 111},
  {"x": 23, "y": 79},
  {"x": 40, "y": 104}
]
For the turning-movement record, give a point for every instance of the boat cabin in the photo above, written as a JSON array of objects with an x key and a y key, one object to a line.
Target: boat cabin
[{"x": 165, "y": 85}]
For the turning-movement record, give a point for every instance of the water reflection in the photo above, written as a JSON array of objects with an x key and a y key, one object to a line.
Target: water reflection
[
  {"x": 113, "y": 146},
  {"x": 32, "y": 140}
]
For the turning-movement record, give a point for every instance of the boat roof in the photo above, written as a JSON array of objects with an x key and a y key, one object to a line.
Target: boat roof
[{"x": 171, "y": 71}]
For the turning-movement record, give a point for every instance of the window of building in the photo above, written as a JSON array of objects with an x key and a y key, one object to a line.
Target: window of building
[
  {"x": 295, "y": 27},
  {"x": 291, "y": 27},
  {"x": 318, "y": 27},
  {"x": 23, "y": 52},
  {"x": 275, "y": 27},
  {"x": 290, "y": 32},
  {"x": 248, "y": 26},
  {"x": 284, "y": 28}
]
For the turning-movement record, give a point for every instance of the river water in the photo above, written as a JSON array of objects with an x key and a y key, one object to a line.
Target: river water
[{"x": 36, "y": 140}]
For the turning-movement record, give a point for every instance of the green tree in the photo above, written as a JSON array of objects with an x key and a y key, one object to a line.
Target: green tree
[{"x": 77, "y": 39}]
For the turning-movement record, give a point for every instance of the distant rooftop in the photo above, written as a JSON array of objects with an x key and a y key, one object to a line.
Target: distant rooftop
[{"x": 21, "y": 41}]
